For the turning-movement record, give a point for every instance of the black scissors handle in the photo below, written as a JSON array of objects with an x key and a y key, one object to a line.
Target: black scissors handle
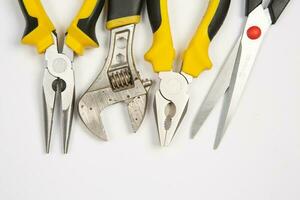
[
  {"x": 251, "y": 5},
  {"x": 276, "y": 7}
]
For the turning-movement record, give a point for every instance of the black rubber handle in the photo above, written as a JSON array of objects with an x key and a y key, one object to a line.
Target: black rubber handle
[
  {"x": 123, "y": 12},
  {"x": 124, "y": 8},
  {"x": 31, "y": 22},
  {"x": 39, "y": 28},
  {"x": 218, "y": 18},
  {"x": 154, "y": 13},
  {"x": 251, "y": 5},
  {"x": 214, "y": 26},
  {"x": 81, "y": 33},
  {"x": 276, "y": 7},
  {"x": 88, "y": 25}
]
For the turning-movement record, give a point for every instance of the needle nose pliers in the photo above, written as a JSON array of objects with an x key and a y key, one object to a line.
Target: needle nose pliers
[
  {"x": 59, "y": 71},
  {"x": 172, "y": 98}
]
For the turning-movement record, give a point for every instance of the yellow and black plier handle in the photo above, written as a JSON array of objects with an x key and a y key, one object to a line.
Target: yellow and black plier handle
[
  {"x": 80, "y": 34},
  {"x": 196, "y": 58}
]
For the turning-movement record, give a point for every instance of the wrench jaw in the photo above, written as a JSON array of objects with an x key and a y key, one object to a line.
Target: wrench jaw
[
  {"x": 94, "y": 102},
  {"x": 118, "y": 82},
  {"x": 90, "y": 108},
  {"x": 137, "y": 107},
  {"x": 136, "y": 110}
]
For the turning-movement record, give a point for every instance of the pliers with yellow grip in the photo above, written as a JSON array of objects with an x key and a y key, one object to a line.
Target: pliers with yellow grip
[
  {"x": 171, "y": 100},
  {"x": 59, "y": 72}
]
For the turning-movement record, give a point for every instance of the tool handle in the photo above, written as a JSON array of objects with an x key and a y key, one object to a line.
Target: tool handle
[
  {"x": 276, "y": 7},
  {"x": 196, "y": 57},
  {"x": 39, "y": 28},
  {"x": 123, "y": 12},
  {"x": 251, "y": 5},
  {"x": 81, "y": 33},
  {"x": 162, "y": 52}
]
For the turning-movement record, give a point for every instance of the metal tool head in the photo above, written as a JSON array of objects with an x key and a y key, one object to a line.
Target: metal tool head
[
  {"x": 216, "y": 91},
  {"x": 171, "y": 101},
  {"x": 93, "y": 103},
  {"x": 233, "y": 76},
  {"x": 258, "y": 23},
  {"x": 58, "y": 82},
  {"x": 118, "y": 82}
]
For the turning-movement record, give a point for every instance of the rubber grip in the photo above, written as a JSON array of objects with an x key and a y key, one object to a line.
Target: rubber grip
[
  {"x": 251, "y": 5},
  {"x": 196, "y": 58},
  {"x": 123, "y": 12},
  {"x": 276, "y": 7},
  {"x": 39, "y": 28},
  {"x": 162, "y": 52},
  {"x": 81, "y": 33}
]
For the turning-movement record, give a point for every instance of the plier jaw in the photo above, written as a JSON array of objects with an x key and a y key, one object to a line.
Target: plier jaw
[
  {"x": 171, "y": 102},
  {"x": 58, "y": 85},
  {"x": 172, "y": 99}
]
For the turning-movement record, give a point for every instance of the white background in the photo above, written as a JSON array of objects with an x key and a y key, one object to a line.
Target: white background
[{"x": 258, "y": 159}]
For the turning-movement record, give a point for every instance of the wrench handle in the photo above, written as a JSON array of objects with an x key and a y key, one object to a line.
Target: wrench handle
[{"x": 123, "y": 12}]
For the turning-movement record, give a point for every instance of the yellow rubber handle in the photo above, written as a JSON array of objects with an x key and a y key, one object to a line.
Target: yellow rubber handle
[
  {"x": 81, "y": 33},
  {"x": 162, "y": 52},
  {"x": 39, "y": 28},
  {"x": 196, "y": 58}
]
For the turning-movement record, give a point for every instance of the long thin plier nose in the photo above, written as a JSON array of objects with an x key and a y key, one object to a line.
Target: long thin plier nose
[
  {"x": 58, "y": 82},
  {"x": 58, "y": 90}
]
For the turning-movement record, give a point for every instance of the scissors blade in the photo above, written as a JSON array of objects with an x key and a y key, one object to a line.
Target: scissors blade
[
  {"x": 217, "y": 90},
  {"x": 248, "y": 51}
]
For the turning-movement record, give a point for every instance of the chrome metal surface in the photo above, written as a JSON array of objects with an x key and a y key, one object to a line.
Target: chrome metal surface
[
  {"x": 248, "y": 52},
  {"x": 233, "y": 76},
  {"x": 216, "y": 91},
  {"x": 58, "y": 82},
  {"x": 118, "y": 82},
  {"x": 171, "y": 101}
]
